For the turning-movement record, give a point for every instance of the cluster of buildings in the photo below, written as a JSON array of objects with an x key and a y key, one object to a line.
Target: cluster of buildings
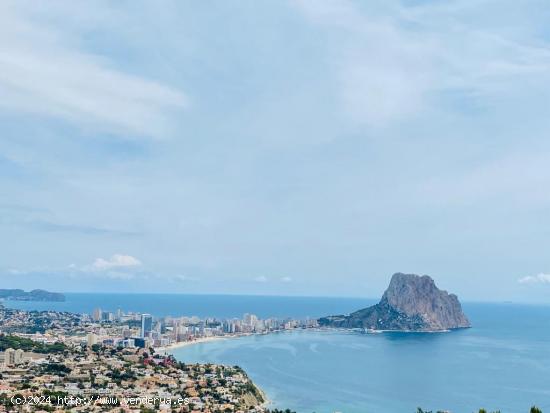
[
  {"x": 13, "y": 320},
  {"x": 135, "y": 330},
  {"x": 129, "y": 330},
  {"x": 82, "y": 379},
  {"x": 114, "y": 356}
]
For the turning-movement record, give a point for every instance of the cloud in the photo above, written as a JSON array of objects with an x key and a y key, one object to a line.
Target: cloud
[
  {"x": 48, "y": 226},
  {"x": 116, "y": 261},
  {"x": 14, "y": 271},
  {"x": 381, "y": 72},
  {"x": 120, "y": 268},
  {"x": 45, "y": 74},
  {"x": 535, "y": 279},
  {"x": 393, "y": 62},
  {"x": 494, "y": 180},
  {"x": 263, "y": 279}
]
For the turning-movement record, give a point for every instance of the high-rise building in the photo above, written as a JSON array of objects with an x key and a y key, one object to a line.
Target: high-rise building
[
  {"x": 250, "y": 319},
  {"x": 13, "y": 357},
  {"x": 146, "y": 325},
  {"x": 107, "y": 316},
  {"x": 97, "y": 314}
]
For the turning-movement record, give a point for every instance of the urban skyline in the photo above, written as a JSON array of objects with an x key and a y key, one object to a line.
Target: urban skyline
[{"x": 143, "y": 330}]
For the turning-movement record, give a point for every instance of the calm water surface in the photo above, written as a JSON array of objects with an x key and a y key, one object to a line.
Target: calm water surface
[
  {"x": 503, "y": 362},
  {"x": 223, "y": 306}
]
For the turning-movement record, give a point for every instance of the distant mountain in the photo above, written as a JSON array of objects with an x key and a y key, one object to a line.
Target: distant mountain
[
  {"x": 411, "y": 303},
  {"x": 34, "y": 295}
]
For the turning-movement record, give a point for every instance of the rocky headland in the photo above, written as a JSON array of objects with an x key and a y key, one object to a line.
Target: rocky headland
[
  {"x": 34, "y": 295},
  {"x": 411, "y": 303}
]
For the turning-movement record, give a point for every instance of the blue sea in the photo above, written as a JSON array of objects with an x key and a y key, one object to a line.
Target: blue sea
[
  {"x": 222, "y": 306},
  {"x": 503, "y": 362}
]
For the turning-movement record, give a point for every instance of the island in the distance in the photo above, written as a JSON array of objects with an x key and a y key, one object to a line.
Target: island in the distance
[
  {"x": 34, "y": 295},
  {"x": 411, "y": 303}
]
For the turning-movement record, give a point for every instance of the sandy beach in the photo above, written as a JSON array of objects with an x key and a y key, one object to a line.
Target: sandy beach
[{"x": 167, "y": 349}]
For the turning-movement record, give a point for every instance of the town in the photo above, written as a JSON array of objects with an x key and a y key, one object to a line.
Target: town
[
  {"x": 105, "y": 361},
  {"x": 142, "y": 330}
]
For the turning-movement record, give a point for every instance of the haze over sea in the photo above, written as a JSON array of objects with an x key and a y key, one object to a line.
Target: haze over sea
[{"x": 503, "y": 362}]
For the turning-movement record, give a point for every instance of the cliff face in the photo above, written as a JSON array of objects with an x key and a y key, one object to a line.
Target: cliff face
[{"x": 411, "y": 302}]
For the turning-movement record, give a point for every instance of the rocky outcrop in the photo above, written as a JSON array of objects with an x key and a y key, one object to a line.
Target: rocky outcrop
[{"x": 411, "y": 303}]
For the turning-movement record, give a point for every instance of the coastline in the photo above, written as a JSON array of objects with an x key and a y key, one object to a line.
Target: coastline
[
  {"x": 166, "y": 350},
  {"x": 199, "y": 340},
  {"x": 179, "y": 344}
]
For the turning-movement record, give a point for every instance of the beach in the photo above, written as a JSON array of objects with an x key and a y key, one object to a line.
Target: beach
[{"x": 179, "y": 344}]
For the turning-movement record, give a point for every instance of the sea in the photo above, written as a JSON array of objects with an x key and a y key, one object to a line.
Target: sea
[{"x": 501, "y": 363}]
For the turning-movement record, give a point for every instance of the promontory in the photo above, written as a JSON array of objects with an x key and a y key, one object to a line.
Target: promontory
[
  {"x": 34, "y": 295},
  {"x": 411, "y": 303}
]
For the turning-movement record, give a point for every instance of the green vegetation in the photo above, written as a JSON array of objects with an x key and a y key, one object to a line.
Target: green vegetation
[
  {"x": 251, "y": 388},
  {"x": 55, "y": 368},
  {"x": 26, "y": 344}
]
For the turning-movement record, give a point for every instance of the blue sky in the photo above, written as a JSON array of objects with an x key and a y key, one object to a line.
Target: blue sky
[{"x": 292, "y": 147}]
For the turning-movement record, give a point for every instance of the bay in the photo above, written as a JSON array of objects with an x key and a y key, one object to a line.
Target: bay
[{"x": 502, "y": 362}]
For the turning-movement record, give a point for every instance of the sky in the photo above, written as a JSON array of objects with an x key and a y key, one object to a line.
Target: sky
[{"x": 288, "y": 147}]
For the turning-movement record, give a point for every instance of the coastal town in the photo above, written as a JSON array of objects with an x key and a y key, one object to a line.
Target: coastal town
[{"x": 117, "y": 361}]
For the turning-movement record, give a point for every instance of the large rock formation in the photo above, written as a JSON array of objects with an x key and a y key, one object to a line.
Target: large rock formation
[{"x": 411, "y": 303}]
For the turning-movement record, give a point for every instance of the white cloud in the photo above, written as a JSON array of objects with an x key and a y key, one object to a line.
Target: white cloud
[
  {"x": 381, "y": 71},
  {"x": 13, "y": 271},
  {"x": 116, "y": 261},
  {"x": 393, "y": 62},
  {"x": 496, "y": 180},
  {"x": 286, "y": 279},
  {"x": 535, "y": 279},
  {"x": 261, "y": 279},
  {"x": 44, "y": 73}
]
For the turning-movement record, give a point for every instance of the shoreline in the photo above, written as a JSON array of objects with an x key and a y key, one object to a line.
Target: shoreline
[
  {"x": 267, "y": 402},
  {"x": 199, "y": 340},
  {"x": 180, "y": 344}
]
